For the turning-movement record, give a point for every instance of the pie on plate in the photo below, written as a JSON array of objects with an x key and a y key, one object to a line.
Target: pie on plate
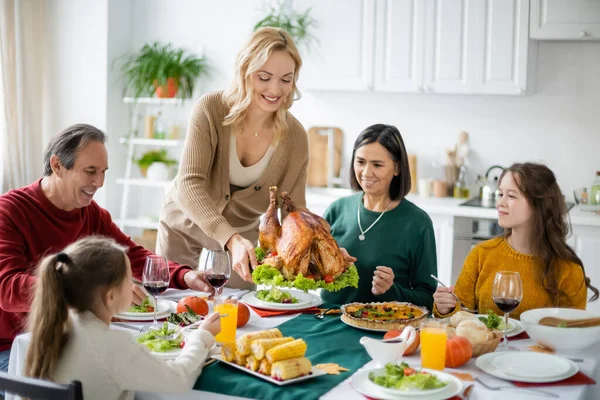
[{"x": 383, "y": 316}]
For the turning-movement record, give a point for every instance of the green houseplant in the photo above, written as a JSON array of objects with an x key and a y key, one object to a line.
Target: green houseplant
[
  {"x": 298, "y": 25},
  {"x": 163, "y": 70},
  {"x": 150, "y": 157}
]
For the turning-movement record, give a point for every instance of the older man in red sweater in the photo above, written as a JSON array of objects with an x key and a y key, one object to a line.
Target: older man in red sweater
[{"x": 54, "y": 212}]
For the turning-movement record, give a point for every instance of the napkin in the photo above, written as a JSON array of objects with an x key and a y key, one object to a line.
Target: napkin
[
  {"x": 274, "y": 313},
  {"x": 578, "y": 379},
  {"x": 520, "y": 336}
]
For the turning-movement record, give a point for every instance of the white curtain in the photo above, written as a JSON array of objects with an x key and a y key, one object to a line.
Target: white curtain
[{"x": 22, "y": 55}]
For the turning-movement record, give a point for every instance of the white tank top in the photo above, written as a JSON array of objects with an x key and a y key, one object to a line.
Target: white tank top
[{"x": 245, "y": 176}]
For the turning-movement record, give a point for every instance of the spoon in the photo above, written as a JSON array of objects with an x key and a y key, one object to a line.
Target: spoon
[
  {"x": 462, "y": 306},
  {"x": 570, "y": 323}
]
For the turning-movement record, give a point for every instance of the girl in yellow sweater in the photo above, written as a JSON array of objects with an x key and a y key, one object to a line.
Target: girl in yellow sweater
[{"x": 533, "y": 213}]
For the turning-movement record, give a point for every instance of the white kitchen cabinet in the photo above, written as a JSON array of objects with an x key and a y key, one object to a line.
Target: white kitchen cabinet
[
  {"x": 411, "y": 46},
  {"x": 443, "y": 226},
  {"x": 342, "y": 57},
  {"x": 565, "y": 20},
  {"x": 586, "y": 243}
]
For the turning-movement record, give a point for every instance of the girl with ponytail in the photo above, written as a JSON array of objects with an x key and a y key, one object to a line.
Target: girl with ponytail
[{"x": 77, "y": 292}]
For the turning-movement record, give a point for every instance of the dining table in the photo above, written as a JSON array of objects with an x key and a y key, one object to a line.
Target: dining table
[{"x": 331, "y": 340}]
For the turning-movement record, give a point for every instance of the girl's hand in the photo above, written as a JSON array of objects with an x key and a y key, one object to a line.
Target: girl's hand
[
  {"x": 444, "y": 300},
  {"x": 383, "y": 279},
  {"x": 243, "y": 256},
  {"x": 212, "y": 324}
]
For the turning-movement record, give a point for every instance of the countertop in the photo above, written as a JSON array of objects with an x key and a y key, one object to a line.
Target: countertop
[{"x": 318, "y": 199}]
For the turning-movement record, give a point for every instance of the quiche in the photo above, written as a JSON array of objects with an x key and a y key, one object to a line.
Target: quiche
[{"x": 383, "y": 316}]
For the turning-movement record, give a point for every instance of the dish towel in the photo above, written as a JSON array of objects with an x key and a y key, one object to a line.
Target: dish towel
[
  {"x": 578, "y": 379},
  {"x": 274, "y": 313}
]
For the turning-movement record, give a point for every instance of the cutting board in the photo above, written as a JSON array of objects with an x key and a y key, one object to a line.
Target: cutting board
[{"x": 318, "y": 162}]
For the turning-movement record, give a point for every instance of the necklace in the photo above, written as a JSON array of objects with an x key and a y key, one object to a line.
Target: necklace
[{"x": 362, "y": 233}]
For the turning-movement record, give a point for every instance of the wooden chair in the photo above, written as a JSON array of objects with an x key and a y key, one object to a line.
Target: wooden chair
[{"x": 40, "y": 389}]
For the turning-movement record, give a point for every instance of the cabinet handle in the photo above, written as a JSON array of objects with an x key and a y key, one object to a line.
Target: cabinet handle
[{"x": 583, "y": 33}]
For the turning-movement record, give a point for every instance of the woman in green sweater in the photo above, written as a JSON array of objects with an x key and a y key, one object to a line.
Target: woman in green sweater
[{"x": 391, "y": 238}]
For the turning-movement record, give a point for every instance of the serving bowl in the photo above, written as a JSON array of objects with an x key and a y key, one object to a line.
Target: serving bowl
[{"x": 560, "y": 338}]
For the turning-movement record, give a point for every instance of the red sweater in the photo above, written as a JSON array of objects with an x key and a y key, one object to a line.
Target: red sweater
[{"x": 31, "y": 227}]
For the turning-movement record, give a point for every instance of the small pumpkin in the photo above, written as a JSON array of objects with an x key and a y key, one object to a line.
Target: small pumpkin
[
  {"x": 243, "y": 315},
  {"x": 458, "y": 352},
  {"x": 410, "y": 349},
  {"x": 197, "y": 304}
]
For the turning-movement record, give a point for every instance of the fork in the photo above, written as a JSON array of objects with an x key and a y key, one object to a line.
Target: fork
[
  {"x": 462, "y": 306},
  {"x": 533, "y": 391},
  {"x": 321, "y": 315}
]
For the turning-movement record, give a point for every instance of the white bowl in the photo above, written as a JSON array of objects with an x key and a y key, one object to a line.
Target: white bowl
[{"x": 560, "y": 338}]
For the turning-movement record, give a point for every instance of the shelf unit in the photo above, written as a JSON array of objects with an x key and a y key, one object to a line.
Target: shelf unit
[{"x": 132, "y": 143}]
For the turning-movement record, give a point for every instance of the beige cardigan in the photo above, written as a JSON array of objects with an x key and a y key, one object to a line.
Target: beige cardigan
[{"x": 201, "y": 189}]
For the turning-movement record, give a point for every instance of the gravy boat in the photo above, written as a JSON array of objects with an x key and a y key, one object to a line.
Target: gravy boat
[{"x": 391, "y": 350}]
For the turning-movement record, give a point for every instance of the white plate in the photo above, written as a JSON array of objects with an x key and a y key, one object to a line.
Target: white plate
[
  {"x": 165, "y": 307},
  {"x": 315, "y": 372},
  {"x": 360, "y": 381},
  {"x": 514, "y": 326},
  {"x": 486, "y": 363},
  {"x": 530, "y": 365},
  {"x": 250, "y": 299},
  {"x": 362, "y": 328},
  {"x": 303, "y": 300}
]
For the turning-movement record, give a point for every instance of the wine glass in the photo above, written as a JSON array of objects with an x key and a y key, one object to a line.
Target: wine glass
[
  {"x": 156, "y": 279},
  {"x": 507, "y": 294},
  {"x": 217, "y": 267}
]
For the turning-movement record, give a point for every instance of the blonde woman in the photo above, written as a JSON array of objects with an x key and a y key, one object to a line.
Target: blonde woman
[{"x": 239, "y": 142}]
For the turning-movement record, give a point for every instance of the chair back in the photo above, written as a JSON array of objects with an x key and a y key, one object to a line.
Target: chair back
[{"x": 40, "y": 389}]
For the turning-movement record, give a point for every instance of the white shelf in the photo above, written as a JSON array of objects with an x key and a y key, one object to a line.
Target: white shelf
[
  {"x": 154, "y": 100},
  {"x": 152, "y": 142},
  {"x": 138, "y": 223},
  {"x": 143, "y": 182}
]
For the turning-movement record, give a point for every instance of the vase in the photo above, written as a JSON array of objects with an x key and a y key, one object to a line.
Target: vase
[
  {"x": 158, "y": 171},
  {"x": 167, "y": 91}
]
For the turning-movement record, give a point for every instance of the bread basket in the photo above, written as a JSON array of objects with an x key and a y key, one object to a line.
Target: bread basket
[{"x": 488, "y": 346}]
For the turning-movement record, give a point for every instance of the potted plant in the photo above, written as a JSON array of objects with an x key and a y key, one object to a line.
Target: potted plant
[
  {"x": 298, "y": 25},
  {"x": 163, "y": 70},
  {"x": 155, "y": 156}
]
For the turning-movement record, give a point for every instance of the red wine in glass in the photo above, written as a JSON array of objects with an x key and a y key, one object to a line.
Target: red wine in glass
[
  {"x": 217, "y": 280},
  {"x": 506, "y": 305},
  {"x": 156, "y": 288},
  {"x": 155, "y": 279}
]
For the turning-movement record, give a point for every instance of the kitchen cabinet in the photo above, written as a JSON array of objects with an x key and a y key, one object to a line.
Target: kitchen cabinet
[
  {"x": 565, "y": 20},
  {"x": 585, "y": 240},
  {"x": 412, "y": 46}
]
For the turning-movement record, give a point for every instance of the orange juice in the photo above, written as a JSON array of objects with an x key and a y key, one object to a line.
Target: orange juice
[
  {"x": 228, "y": 323},
  {"x": 433, "y": 344}
]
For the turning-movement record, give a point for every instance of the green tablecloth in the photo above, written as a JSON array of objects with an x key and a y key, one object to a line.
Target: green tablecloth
[{"x": 329, "y": 341}]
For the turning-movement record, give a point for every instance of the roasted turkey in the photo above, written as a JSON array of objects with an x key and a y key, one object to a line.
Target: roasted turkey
[{"x": 303, "y": 242}]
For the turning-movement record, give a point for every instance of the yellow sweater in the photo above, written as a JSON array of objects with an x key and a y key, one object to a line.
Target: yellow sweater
[{"x": 474, "y": 284}]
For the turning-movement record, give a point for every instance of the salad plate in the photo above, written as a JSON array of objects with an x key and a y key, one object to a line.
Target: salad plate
[
  {"x": 361, "y": 382},
  {"x": 274, "y": 297},
  {"x": 314, "y": 373},
  {"x": 527, "y": 366},
  {"x": 165, "y": 307},
  {"x": 305, "y": 300}
]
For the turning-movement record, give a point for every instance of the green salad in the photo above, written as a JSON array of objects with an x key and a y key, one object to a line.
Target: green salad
[
  {"x": 144, "y": 306},
  {"x": 267, "y": 275},
  {"x": 275, "y": 295},
  {"x": 493, "y": 321},
  {"x": 151, "y": 340},
  {"x": 402, "y": 377}
]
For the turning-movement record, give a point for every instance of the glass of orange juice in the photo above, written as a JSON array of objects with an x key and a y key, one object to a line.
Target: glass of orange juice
[
  {"x": 228, "y": 309},
  {"x": 433, "y": 343}
]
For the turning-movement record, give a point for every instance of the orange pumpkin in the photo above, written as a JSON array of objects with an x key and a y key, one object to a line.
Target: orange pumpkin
[
  {"x": 458, "y": 352},
  {"x": 412, "y": 348},
  {"x": 243, "y": 315},
  {"x": 197, "y": 304}
]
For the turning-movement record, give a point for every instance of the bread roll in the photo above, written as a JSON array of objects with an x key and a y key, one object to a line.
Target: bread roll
[
  {"x": 450, "y": 332},
  {"x": 459, "y": 317},
  {"x": 474, "y": 331}
]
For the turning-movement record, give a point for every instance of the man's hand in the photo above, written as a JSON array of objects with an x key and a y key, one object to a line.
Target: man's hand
[
  {"x": 138, "y": 295},
  {"x": 196, "y": 280},
  {"x": 243, "y": 256}
]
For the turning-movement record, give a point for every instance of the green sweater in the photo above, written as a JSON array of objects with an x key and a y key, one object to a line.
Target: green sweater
[{"x": 402, "y": 239}]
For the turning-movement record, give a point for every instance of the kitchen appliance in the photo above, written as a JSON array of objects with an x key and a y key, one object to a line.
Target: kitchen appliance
[{"x": 488, "y": 185}]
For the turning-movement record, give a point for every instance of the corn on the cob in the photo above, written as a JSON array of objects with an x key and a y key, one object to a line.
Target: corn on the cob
[
  {"x": 265, "y": 367},
  {"x": 244, "y": 342},
  {"x": 228, "y": 351},
  {"x": 252, "y": 363},
  {"x": 259, "y": 347},
  {"x": 240, "y": 359},
  {"x": 291, "y": 368},
  {"x": 293, "y": 349}
]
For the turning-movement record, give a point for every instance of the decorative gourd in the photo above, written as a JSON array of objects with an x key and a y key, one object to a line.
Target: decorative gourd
[
  {"x": 243, "y": 315},
  {"x": 458, "y": 352}
]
